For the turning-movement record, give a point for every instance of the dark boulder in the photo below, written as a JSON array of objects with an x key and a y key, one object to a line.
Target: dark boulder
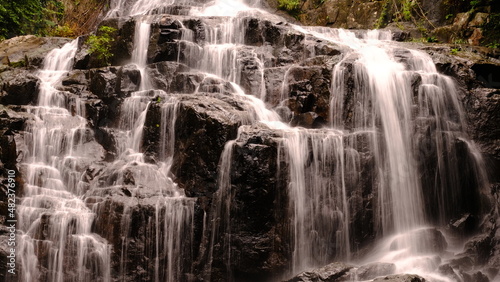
[
  {"x": 333, "y": 272},
  {"x": 401, "y": 278},
  {"x": 307, "y": 92},
  {"x": 248, "y": 230},
  {"x": 168, "y": 76},
  {"x": 197, "y": 153},
  {"x": 18, "y": 87},
  {"x": 483, "y": 107}
]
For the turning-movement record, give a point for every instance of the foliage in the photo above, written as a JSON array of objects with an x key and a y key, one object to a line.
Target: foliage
[
  {"x": 28, "y": 17},
  {"x": 454, "y": 51},
  {"x": 431, "y": 39},
  {"x": 493, "y": 45},
  {"x": 491, "y": 31},
  {"x": 402, "y": 10},
  {"x": 406, "y": 9},
  {"x": 460, "y": 41},
  {"x": 100, "y": 44},
  {"x": 63, "y": 31},
  {"x": 19, "y": 64},
  {"x": 383, "y": 19},
  {"x": 289, "y": 5}
]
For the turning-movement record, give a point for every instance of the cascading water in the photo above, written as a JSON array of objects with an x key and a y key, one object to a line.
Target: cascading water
[
  {"x": 324, "y": 164},
  {"x": 387, "y": 103},
  {"x": 56, "y": 223},
  {"x": 169, "y": 228}
]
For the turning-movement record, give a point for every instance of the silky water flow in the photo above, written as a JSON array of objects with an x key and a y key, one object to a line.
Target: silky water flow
[{"x": 390, "y": 120}]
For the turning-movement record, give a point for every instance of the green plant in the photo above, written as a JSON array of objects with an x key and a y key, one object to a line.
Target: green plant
[
  {"x": 28, "y": 17},
  {"x": 449, "y": 16},
  {"x": 454, "y": 51},
  {"x": 19, "y": 64},
  {"x": 493, "y": 45},
  {"x": 383, "y": 18},
  {"x": 474, "y": 3},
  {"x": 100, "y": 45},
  {"x": 431, "y": 39},
  {"x": 407, "y": 7},
  {"x": 63, "y": 31},
  {"x": 289, "y": 5}
]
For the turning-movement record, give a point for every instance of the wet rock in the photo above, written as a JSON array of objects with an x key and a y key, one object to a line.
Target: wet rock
[
  {"x": 308, "y": 120},
  {"x": 332, "y": 272},
  {"x": 448, "y": 271},
  {"x": 103, "y": 82},
  {"x": 215, "y": 85},
  {"x": 164, "y": 36},
  {"x": 12, "y": 121},
  {"x": 204, "y": 123},
  {"x": 163, "y": 75},
  {"x": 258, "y": 203},
  {"x": 28, "y": 50},
  {"x": 474, "y": 277},
  {"x": 186, "y": 82},
  {"x": 464, "y": 263},
  {"x": 308, "y": 91},
  {"x": 464, "y": 224},
  {"x": 18, "y": 87},
  {"x": 373, "y": 270},
  {"x": 483, "y": 106},
  {"x": 401, "y": 278},
  {"x": 479, "y": 248},
  {"x": 128, "y": 79},
  {"x": 132, "y": 223}
]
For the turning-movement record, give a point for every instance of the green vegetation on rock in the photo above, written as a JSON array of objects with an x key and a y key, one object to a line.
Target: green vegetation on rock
[
  {"x": 100, "y": 44},
  {"x": 292, "y": 6}
]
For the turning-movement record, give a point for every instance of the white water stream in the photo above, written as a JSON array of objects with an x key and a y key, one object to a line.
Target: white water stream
[{"x": 323, "y": 163}]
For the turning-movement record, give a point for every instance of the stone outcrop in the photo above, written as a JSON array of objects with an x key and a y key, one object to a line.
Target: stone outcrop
[
  {"x": 333, "y": 272},
  {"x": 28, "y": 50}
]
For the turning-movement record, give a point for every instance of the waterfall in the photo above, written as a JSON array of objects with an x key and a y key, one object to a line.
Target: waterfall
[
  {"x": 392, "y": 133},
  {"x": 57, "y": 243}
]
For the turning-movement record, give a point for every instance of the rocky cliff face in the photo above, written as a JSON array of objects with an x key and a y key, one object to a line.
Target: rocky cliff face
[
  {"x": 239, "y": 226},
  {"x": 448, "y": 21}
]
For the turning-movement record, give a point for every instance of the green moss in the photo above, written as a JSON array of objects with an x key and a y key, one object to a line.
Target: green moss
[{"x": 19, "y": 64}]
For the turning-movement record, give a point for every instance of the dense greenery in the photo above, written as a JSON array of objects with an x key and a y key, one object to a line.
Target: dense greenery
[
  {"x": 291, "y": 6},
  {"x": 100, "y": 44},
  {"x": 28, "y": 16}
]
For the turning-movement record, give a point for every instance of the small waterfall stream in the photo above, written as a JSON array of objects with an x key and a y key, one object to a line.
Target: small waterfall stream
[
  {"x": 55, "y": 220},
  {"x": 397, "y": 105}
]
